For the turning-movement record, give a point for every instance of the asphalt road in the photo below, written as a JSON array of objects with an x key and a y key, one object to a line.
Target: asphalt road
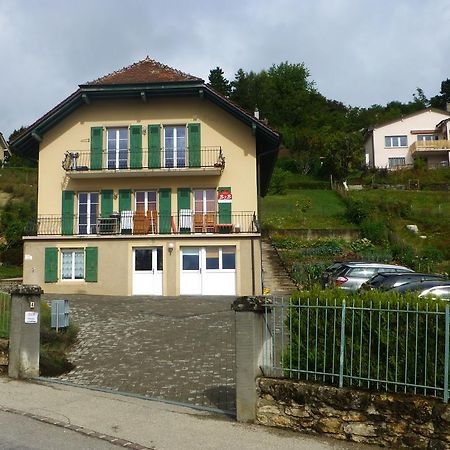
[{"x": 22, "y": 433}]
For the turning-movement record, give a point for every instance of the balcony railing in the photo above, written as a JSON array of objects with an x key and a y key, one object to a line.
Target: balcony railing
[
  {"x": 430, "y": 146},
  {"x": 129, "y": 160},
  {"x": 185, "y": 221}
]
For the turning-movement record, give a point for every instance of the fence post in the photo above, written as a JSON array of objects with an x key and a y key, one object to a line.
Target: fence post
[
  {"x": 249, "y": 329},
  {"x": 24, "y": 337},
  {"x": 342, "y": 347},
  {"x": 446, "y": 356}
]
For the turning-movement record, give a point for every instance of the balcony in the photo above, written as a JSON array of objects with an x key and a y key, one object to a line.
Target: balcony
[
  {"x": 123, "y": 163},
  {"x": 131, "y": 223},
  {"x": 440, "y": 146}
]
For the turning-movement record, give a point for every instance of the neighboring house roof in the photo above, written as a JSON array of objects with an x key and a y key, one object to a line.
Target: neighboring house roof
[
  {"x": 390, "y": 122},
  {"x": 147, "y": 71},
  {"x": 3, "y": 142},
  {"x": 144, "y": 79}
]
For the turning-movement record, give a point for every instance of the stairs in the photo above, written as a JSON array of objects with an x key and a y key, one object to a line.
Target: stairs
[{"x": 275, "y": 277}]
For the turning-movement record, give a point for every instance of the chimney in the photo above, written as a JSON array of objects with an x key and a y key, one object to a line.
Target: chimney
[{"x": 256, "y": 113}]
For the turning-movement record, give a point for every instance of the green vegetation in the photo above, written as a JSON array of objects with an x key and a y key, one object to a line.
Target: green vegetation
[
  {"x": 305, "y": 208},
  {"x": 4, "y": 315},
  {"x": 315, "y": 337},
  {"x": 55, "y": 345}
]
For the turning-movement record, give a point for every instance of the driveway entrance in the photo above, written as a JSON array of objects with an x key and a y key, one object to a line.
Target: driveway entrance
[{"x": 170, "y": 348}]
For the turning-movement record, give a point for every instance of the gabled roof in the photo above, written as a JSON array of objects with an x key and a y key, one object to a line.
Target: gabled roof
[
  {"x": 3, "y": 142},
  {"x": 149, "y": 78},
  {"x": 147, "y": 71}
]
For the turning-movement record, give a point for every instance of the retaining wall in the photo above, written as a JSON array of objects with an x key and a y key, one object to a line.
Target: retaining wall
[{"x": 390, "y": 420}]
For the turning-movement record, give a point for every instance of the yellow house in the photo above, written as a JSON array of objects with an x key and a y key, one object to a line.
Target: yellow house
[{"x": 148, "y": 185}]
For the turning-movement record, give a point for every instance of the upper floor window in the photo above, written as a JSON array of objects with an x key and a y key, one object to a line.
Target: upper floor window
[
  {"x": 145, "y": 201},
  {"x": 205, "y": 200},
  {"x": 174, "y": 146},
  {"x": 87, "y": 212},
  {"x": 427, "y": 137},
  {"x": 395, "y": 141},
  {"x": 117, "y": 148}
]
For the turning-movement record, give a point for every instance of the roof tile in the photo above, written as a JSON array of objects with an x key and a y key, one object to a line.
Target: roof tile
[{"x": 147, "y": 71}]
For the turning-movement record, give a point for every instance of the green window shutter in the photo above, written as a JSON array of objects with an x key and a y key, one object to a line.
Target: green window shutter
[
  {"x": 194, "y": 145},
  {"x": 165, "y": 219},
  {"x": 51, "y": 265},
  {"x": 96, "y": 148},
  {"x": 136, "y": 147},
  {"x": 91, "y": 264},
  {"x": 224, "y": 207},
  {"x": 106, "y": 202},
  {"x": 154, "y": 146},
  {"x": 184, "y": 198},
  {"x": 124, "y": 200},
  {"x": 67, "y": 212}
]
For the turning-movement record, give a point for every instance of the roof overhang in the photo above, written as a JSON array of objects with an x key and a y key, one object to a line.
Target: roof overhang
[{"x": 267, "y": 140}]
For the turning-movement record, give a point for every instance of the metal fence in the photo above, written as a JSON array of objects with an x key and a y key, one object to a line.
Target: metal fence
[
  {"x": 5, "y": 314},
  {"x": 396, "y": 348}
]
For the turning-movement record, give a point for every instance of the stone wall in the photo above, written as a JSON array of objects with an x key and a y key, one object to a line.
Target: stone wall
[
  {"x": 389, "y": 420},
  {"x": 4, "y": 344}
]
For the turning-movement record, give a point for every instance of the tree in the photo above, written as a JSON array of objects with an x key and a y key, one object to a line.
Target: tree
[
  {"x": 218, "y": 81},
  {"x": 440, "y": 101}
]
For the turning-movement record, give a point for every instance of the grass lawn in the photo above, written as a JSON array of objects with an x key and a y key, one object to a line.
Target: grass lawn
[{"x": 305, "y": 208}]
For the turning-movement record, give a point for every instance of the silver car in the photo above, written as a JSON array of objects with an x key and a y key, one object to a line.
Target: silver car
[{"x": 352, "y": 275}]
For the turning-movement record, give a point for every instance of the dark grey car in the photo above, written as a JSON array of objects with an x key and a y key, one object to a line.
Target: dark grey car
[{"x": 386, "y": 280}]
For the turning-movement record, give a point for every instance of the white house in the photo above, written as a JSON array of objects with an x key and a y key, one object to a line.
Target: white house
[
  {"x": 4, "y": 150},
  {"x": 423, "y": 134}
]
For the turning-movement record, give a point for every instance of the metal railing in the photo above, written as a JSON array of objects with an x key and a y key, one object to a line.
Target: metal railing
[
  {"x": 152, "y": 223},
  {"x": 394, "y": 348},
  {"x": 5, "y": 314},
  {"x": 122, "y": 160}
]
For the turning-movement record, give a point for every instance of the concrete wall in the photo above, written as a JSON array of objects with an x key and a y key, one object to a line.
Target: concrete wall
[
  {"x": 115, "y": 262},
  {"x": 389, "y": 420}
]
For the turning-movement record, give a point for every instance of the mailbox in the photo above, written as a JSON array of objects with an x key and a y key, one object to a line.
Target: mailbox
[{"x": 60, "y": 314}]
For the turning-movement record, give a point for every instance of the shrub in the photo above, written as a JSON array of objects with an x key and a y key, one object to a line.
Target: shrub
[
  {"x": 278, "y": 184},
  {"x": 379, "y": 342},
  {"x": 375, "y": 230},
  {"x": 357, "y": 210}
]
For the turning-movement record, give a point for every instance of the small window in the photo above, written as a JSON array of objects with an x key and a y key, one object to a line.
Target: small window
[
  {"x": 72, "y": 264},
  {"x": 427, "y": 137},
  {"x": 228, "y": 258},
  {"x": 191, "y": 259},
  {"x": 143, "y": 259},
  {"x": 212, "y": 258},
  {"x": 395, "y": 141},
  {"x": 395, "y": 163}
]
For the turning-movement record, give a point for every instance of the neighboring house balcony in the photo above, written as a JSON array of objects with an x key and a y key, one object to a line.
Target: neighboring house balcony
[
  {"x": 432, "y": 147},
  {"x": 139, "y": 223},
  {"x": 160, "y": 162}
]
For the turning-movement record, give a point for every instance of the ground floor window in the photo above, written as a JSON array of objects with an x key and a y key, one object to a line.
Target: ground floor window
[
  {"x": 396, "y": 162},
  {"x": 220, "y": 258},
  {"x": 72, "y": 264}
]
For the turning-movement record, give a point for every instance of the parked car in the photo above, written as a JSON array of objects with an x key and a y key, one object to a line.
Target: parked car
[
  {"x": 333, "y": 268},
  {"x": 386, "y": 280},
  {"x": 435, "y": 288},
  {"x": 352, "y": 275}
]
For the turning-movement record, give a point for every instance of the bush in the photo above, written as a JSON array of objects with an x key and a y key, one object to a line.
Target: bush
[
  {"x": 374, "y": 230},
  {"x": 379, "y": 342},
  {"x": 357, "y": 210},
  {"x": 55, "y": 345},
  {"x": 278, "y": 184}
]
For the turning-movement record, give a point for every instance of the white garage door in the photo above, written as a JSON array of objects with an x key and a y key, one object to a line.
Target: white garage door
[{"x": 208, "y": 271}]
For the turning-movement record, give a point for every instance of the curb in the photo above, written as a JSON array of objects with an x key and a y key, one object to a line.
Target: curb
[{"x": 78, "y": 429}]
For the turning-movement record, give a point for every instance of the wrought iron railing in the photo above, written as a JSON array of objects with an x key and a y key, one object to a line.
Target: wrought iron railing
[
  {"x": 185, "y": 221},
  {"x": 388, "y": 347},
  {"x": 126, "y": 159}
]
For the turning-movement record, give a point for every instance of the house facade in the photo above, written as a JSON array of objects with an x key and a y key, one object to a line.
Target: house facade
[
  {"x": 396, "y": 144},
  {"x": 4, "y": 149},
  {"x": 148, "y": 185}
]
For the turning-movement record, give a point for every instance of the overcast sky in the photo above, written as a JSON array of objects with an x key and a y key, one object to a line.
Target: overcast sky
[{"x": 359, "y": 52}]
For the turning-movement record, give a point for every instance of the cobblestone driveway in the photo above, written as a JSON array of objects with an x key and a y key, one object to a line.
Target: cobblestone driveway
[{"x": 179, "y": 348}]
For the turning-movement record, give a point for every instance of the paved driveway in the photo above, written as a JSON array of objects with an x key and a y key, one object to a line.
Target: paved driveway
[{"x": 174, "y": 348}]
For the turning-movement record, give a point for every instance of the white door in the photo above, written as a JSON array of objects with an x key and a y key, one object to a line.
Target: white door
[
  {"x": 191, "y": 271},
  {"x": 208, "y": 271},
  {"x": 147, "y": 271}
]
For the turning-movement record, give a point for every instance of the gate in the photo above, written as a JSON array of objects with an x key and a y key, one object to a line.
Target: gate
[
  {"x": 5, "y": 314},
  {"x": 178, "y": 349}
]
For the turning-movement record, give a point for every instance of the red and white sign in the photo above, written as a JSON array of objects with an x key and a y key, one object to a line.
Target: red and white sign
[{"x": 224, "y": 196}]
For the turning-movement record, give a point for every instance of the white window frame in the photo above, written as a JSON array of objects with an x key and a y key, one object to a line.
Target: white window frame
[
  {"x": 395, "y": 141},
  {"x": 146, "y": 200},
  {"x": 204, "y": 202},
  {"x": 400, "y": 159},
  {"x": 220, "y": 249},
  {"x": 91, "y": 228},
  {"x": 73, "y": 252},
  {"x": 177, "y": 149},
  {"x": 116, "y": 131},
  {"x": 427, "y": 137}
]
